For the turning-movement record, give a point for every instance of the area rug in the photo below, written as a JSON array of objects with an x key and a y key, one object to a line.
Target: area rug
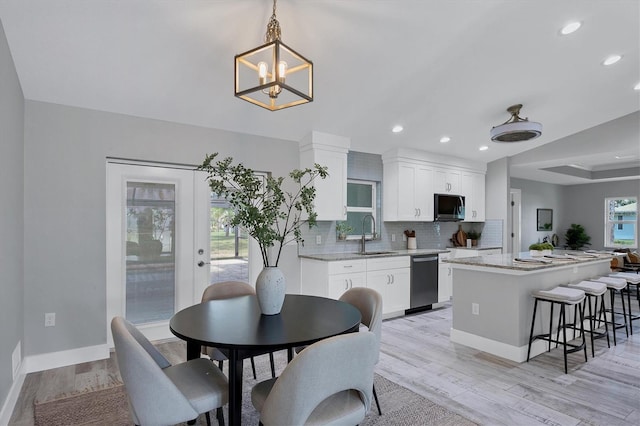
[{"x": 400, "y": 407}]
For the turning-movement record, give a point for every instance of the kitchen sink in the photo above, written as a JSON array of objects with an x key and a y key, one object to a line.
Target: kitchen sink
[{"x": 373, "y": 253}]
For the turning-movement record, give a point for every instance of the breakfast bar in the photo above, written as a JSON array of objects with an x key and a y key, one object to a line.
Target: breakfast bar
[{"x": 492, "y": 304}]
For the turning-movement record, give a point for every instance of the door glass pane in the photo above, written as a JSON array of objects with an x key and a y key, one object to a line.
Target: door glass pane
[
  {"x": 229, "y": 245},
  {"x": 150, "y": 257}
]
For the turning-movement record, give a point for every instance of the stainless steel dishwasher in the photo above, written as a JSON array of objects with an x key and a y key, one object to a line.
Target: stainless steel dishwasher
[{"x": 424, "y": 282}]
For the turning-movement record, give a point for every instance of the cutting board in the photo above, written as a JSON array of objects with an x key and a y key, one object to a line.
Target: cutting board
[{"x": 461, "y": 237}]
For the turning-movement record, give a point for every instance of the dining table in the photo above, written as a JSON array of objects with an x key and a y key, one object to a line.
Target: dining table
[{"x": 237, "y": 328}]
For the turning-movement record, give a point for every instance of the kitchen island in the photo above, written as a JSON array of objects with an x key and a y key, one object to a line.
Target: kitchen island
[{"x": 492, "y": 303}]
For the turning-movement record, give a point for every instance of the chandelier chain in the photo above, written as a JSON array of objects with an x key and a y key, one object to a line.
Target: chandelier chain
[{"x": 273, "y": 27}]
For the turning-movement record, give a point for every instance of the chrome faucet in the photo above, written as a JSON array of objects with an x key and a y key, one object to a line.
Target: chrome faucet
[{"x": 363, "y": 249}]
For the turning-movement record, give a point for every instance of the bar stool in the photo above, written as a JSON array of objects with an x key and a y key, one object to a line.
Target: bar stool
[
  {"x": 615, "y": 285},
  {"x": 592, "y": 291},
  {"x": 631, "y": 278},
  {"x": 563, "y": 296}
]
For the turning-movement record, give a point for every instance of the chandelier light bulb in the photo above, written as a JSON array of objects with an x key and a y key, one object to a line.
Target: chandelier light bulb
[
  {"x": 282, "y": 71},
  {"x": 262, "y": 72}
]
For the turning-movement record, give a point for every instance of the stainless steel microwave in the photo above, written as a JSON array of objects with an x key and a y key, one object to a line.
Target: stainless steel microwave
[{"x": 448, "y": 208}]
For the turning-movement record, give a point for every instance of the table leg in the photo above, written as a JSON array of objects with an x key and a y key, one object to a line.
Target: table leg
[
  {"x": 235, "y": 388},
  {"x": 289, "y": 354},
  {"x": 193, "y": 350}
]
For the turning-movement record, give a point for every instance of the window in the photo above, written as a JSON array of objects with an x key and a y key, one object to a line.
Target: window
[
  {"x": 361, "y": 201},
  {"x": 621, "y": 222}
]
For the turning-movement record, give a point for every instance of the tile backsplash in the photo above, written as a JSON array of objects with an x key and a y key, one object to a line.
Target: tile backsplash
[{"x": 429, "y": 235}]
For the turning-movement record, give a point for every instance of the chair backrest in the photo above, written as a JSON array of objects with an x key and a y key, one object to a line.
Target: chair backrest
[
  {"x": 227, "y": 290},
  {"x": 153, "y": 398},
  {"x": 369, "y": 303},
  {"x": 323, "y": 369}
]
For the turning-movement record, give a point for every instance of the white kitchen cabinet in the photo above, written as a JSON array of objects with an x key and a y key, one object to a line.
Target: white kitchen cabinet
[
  {"x": 407, "y": 192},
  {"x": 447, "y": 181},
  {"x": 391, "y": 277},
  {"x": 445, "y": 278},
  {"x": 331, "y": 279},
  {"x": 473, "y": 188},
  {"x": 331, "y": 193}
]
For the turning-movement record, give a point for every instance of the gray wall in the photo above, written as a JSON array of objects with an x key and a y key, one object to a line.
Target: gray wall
[
  {"x": 584, "y": 204},
  {"x": 497, "y": 198},
  {"x": 65, "y": 206},
  {"x": 539, "y": 195},
  {"x": 11, "y": 219}
]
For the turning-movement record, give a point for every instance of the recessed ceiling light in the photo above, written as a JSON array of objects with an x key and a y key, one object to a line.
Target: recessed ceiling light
[
  {"x": 570, "y": 28},
  {"x": 637, "y": 86},
  {"x": 625, "y": 157},
  {"x": 397, "y": 128},
  {"x": 612, "y": 60},
  {"x": 483, "y": 148},
  {"x": 445, "y": 139}
]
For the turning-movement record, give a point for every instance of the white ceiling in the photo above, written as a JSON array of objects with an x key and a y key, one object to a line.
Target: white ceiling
[{"x": 438, "y": 67}]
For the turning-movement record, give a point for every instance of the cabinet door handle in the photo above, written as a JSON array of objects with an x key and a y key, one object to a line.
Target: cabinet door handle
[
  {"x": 348, "y": 266},
  {"x": 393, "y": 279},
  {"x": 419, "y": 212},
  {"x": 350, "y": 283},
  {"x": 449, "y": 271},
  {"x": 344, "y": 211},
  {"x": 346, "y": 284}
]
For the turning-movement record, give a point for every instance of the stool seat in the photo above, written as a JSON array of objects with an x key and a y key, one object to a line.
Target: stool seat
[
  {"x": 591, "y": 288},
  {"x": 566, "y": 295},
  {"x": 630, "y": 277},
  {"x": 611, "y": 282}
]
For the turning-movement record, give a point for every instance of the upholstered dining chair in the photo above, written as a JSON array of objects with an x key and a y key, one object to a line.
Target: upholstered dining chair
[
  {"x": 228, "y": 290},
  {"x": 369, "y": 303},
  {"x": 330, "y": 382},
  {"x": 160, "y": 393}
]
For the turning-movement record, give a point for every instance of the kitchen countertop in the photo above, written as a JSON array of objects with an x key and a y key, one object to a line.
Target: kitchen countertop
[
  {"x": 508, "y": 261},
  {"x": 329, "y": 257},
  {"x": 476, "y": 248}
]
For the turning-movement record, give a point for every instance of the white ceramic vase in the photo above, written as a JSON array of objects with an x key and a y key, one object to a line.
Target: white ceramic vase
[{"x": 270, "y": 290}]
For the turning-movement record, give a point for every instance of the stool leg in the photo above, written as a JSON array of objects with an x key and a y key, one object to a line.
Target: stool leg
[
  {"x": 613, "y": 322},
  {"x": 584, "y": 342},
  {"x": 624, "y": 313},
  {"x": 533, "y": 322},
  {"x": 629, "y": 305},
  {"x": 551, "y": 328},
  {"x": 602, "y": 312},
  {"x": 564, "y": 334},
  {"x": 591, "y": 323}
]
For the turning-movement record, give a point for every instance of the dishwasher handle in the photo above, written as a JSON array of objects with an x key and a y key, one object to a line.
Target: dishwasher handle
[{"x": 424, "y": 259}]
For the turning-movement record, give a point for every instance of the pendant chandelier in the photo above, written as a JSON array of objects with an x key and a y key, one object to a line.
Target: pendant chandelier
[{"x": 273, "y": 75}]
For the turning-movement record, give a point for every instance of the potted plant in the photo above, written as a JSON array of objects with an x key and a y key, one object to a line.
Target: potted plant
[
  {"x": 540, "y": 249},
  {"x": 271, "y": 215},
  {"x": 474, "y": 236},
  {"x": 343, "y": 229},
  {"x": 576, "y": 237}
]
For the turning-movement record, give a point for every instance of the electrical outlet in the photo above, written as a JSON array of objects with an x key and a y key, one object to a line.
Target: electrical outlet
[
  {"x": 475, "y": 308},
  {"x": 393, "y": 238},
  {"x": 50, "y": 319},
  {"x": 318, "y": 239},
  {"x": 575, "y": 269},
  {"x": 404, "y": 237}
]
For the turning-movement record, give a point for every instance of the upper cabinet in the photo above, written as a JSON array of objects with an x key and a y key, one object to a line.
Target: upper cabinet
[
  {"x": 331, "y": 193},
  {"x": 447, "y": 181},
  {"x": 473, "y": 188},
  {"x": 411, "y": 177},
  {"x": 407, "y": 194}
]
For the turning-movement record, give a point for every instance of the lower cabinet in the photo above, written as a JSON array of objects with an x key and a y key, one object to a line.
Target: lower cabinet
[
  {"x": 445, "y": 278},
  {"x": 389, "y": 276}
]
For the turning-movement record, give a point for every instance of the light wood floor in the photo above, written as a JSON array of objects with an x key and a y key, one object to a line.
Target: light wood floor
[{"x": 416, "y": 352}]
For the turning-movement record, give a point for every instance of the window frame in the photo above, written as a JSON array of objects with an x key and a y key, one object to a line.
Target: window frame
[
  {"x": 372, "y": 210},
  {"x": 610, "y": 225}
]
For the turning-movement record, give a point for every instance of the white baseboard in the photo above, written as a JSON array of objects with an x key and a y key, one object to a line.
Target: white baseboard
[
  {"x": 503, "y": 350},
  {"x": 51, "y": 360},
  {"x": 12, "y": 397}
]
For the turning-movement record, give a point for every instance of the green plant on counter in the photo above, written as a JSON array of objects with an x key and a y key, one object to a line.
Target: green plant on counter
[
  {"x": 576, "y": 237},
  {"x": 541, "y": 246},
  {"x": 343, "y": 229},
  {"x": 472, "y": 234}
]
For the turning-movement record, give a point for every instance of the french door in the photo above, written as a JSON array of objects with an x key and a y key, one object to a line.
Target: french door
[{"x": 158, "y": 244}]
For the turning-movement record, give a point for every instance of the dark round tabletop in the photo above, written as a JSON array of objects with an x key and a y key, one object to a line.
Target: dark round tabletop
[{"x": 238, "y": 324}]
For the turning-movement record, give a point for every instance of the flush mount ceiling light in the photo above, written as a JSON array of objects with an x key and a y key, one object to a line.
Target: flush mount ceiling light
[
  {"x": 570, "y": 28},
  {"x": 397, "y": 128},
  {"x": 516, "y": 129},
  {"x": 483, "y": 148},
  {"x": 611, "y": 60},
  {"x": 273, "y": 75},
  {"x": 445, "y": 139}
]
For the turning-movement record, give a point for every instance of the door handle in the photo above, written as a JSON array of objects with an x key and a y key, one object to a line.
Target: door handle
[{"x": 202, "y": 263}]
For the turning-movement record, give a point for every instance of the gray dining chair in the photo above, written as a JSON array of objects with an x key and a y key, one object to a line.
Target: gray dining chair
[
  {"x": 227, "y": 290},
  {"x": 369, "y": 302},
  {"x": 330, "y": 382},
  {"x": 160, "y": 393}
]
